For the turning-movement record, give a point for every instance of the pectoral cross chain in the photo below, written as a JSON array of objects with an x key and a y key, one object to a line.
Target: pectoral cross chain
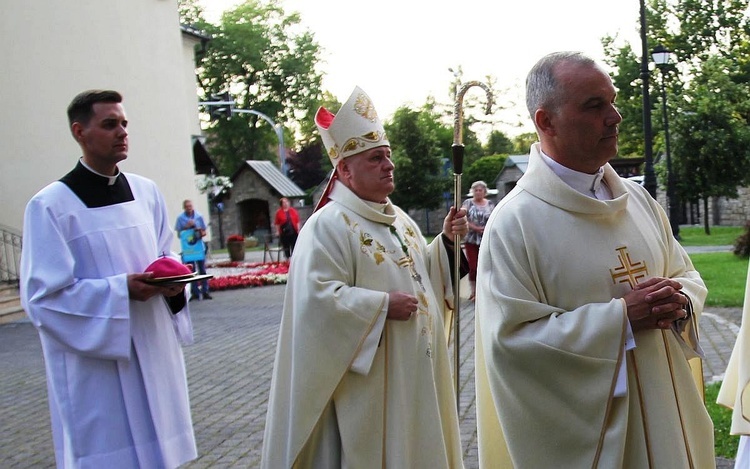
[
  {"x": 413, "y": 272},
  {"x": 407, "y": 260}
]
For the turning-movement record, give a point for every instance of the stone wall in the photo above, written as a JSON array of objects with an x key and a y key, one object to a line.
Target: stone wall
[
  {"x": 430, "y": 222},
  {"x": 731, "y": 212},
  {"x": 722, "y": 211},
  {"x": 506, "y": 181},
  {"x": 249, "y": 188}
]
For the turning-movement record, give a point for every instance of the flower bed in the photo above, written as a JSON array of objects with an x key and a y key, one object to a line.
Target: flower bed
[{"x": 232, "y": 274}]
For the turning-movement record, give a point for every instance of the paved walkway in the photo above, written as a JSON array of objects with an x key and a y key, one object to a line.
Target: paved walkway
[{"x": 229, "y": 373}]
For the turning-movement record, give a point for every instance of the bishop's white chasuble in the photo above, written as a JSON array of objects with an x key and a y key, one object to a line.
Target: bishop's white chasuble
[{"x": 399, "y": 413}]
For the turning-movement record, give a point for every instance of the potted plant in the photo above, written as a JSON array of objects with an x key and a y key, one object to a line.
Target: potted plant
[{"x": 236, "y": 247}]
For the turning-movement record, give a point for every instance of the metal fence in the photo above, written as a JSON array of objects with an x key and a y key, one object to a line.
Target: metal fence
[{"x": 10, "y": 254}]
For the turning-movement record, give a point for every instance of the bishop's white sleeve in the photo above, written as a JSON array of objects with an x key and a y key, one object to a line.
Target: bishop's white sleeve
[{"x": 363, "y": 361}]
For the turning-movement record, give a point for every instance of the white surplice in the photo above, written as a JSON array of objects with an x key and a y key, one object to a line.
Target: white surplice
[
  {"x": 115, "y": 372},
  {"x": 399, "y": 410}
]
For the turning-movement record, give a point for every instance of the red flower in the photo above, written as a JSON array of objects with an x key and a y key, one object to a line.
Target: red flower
[
  {"x": 235, "y": 237},
  {"x": 255, "y": 274}
]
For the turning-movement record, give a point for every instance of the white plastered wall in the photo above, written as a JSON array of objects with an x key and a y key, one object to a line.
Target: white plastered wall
[{"x": 52, "y": 51}]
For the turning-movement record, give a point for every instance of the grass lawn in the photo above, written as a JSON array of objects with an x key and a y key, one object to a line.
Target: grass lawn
[
  {"x": 725, "y": 444},
  {"x": 720, "y": 235},
  {"x": 725, "y": 275}
]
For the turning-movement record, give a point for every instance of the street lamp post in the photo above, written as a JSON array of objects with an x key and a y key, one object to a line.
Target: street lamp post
[
  {"x": 662, "y": 57},
  {"x": 649, "y": 178},
  {"x": 279, "y": 134},
  {"x": 223, "y": 105}
]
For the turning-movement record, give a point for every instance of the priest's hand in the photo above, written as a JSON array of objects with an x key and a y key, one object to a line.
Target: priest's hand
[
  {"x": 140, "y": 290},
  {"x": 656, "y": 304},
  {"x": 455, "y": 223},
  {"x": 401, "y": 305}
]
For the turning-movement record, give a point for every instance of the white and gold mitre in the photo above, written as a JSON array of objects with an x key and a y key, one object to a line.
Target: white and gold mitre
[{"x": 354, "y": 129}]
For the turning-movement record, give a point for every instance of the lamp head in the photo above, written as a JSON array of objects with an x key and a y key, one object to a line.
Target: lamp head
[{"x": 661, "y": 55}]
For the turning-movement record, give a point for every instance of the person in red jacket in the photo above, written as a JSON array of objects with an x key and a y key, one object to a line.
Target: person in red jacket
[{"x": 287, "y": 226}]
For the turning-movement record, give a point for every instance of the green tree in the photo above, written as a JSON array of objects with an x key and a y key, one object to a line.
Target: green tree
[
  {"x": 712, "y": 136},
  {"x": 484, "y": 169},
  {"x": 262, "y": 57},
  {"x": 191, "y": 13},
  {"x": 706, "y": 93},
  {"x": 420, "y": 157},
  {"x": 522, "y": 142},
  {"x": 498, "y": 143},
  {"x": 627, "y": 82}
]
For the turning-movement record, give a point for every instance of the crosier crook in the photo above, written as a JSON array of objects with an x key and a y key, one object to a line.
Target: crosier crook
[{"x": 458, "y": 169}]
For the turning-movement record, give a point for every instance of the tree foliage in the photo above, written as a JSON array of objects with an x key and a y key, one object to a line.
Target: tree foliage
[
  {"x": 420, "y": 153},
  {"x": 191, "y": 13},
  {"x": 708, "y": 102},
  {"x": 497, "y": 143},
  {"x": 712, "y": 137},
  {"x": 522, "y": 143},
  {"x": 627, "y": 81},
  {"x": 484, "y": 169},
  {"x": 262, "y": 57},
  {"x": 305, "y": 167}
]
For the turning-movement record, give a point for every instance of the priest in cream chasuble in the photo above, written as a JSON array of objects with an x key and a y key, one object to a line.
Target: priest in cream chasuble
[
  {"x": 568, "y": 375},
  {"x": 355, "y": 384}
]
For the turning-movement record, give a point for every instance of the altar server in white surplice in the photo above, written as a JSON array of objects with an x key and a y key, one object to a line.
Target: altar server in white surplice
[
  {"x": 587, "y": 307},
  {"x": 362, "y": 376},
  {"x": 116, "y": 379}
]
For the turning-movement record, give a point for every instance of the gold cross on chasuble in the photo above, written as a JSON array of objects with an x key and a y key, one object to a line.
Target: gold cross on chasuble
[{"x": 628, "y": 271}]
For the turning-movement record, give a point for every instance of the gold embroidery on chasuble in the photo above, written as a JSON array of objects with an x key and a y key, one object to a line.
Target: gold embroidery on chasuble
[
  {"x": 628, "y": 271},
  {"x": 402, "y": 258}
]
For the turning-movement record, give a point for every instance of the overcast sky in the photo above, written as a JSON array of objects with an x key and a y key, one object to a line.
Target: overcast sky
[{"x": 399, "y": 51}]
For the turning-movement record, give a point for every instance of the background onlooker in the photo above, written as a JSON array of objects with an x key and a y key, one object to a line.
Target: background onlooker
[
  {"x": 191, "y": 228},
  {"x": 287, "y": 226},
  {"x": 478, "y": 210}
]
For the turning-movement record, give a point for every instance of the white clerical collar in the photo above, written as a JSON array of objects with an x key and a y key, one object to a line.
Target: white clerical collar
[
  {"x": 591, "y": 185},
  {"x": 110, "y": 179},
  {"x": 380, "y": 207}
]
